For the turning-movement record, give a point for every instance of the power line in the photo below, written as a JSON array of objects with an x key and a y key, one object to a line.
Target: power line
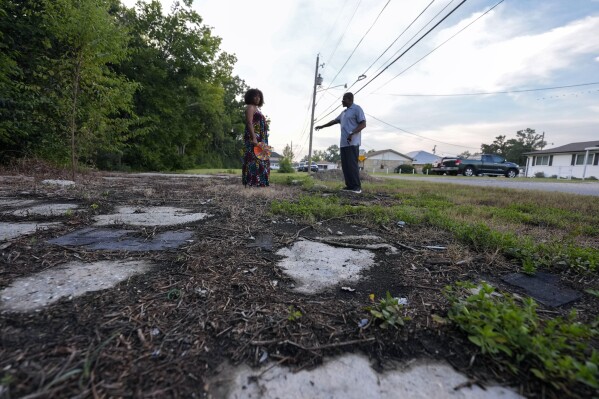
[
  {"x": 345, "y": 31},
  {"x": 360, "y": 41},
  {"x": 417, "y": 135},
  {"x": 402, "y": 54},
  {"x": 413, "y": 44},
  {"x": 396, "y": 39},
  {"x": 452, "y": 36},
  {"x": 491, "y": 92},
  {"x": 363, "y": 75}
]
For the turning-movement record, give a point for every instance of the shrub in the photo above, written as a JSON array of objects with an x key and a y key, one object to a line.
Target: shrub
[
  {"x": 540, "y": 175},
  {"x": 404, "y": 169},
  {"x": 285, "y": 166}
]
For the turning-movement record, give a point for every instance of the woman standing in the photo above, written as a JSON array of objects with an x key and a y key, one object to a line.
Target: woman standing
[{"x": 255, "y": 171}]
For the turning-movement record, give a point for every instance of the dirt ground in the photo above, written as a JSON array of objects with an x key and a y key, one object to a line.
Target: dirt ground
[{"x": 216, "y": 299}]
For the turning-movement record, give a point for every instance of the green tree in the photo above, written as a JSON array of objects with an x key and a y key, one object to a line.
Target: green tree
[
  {"x": 513, "y": 150},
  {"x": 189, "y": 100},
  {"x": 333, "y": 154},
  {"x": 90, "y": 40},
  {"x": 288, "y": 153}
]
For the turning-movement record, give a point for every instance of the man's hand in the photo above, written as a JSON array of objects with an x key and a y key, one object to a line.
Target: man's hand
[{"x": 317, "y": 127}]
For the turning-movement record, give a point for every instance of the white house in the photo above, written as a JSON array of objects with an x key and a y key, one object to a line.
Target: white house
[
  {"x": 578, "y": 160},
  {"x": 324, "y": 165},
  {"x": 385, "y": 159}
]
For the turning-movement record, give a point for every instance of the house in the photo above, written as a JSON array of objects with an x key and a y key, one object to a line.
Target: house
[
  {"x": 421, "y": 158},
  {"x": 385, "y": 159},
  {"x": 324, "y": 165},
  {"x": 578, "y": 160},
  {"x": 275, "y": 160}
]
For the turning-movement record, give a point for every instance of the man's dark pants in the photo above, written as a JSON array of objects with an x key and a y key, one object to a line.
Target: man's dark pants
[{"x": 349, "y": 164}]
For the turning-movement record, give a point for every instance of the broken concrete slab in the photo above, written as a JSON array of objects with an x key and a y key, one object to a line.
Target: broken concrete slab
[
  {"x": 63, "y": 183},
  {"x": 316, "y": 266},
  {"x": 352, "y": 377},
  {"x": 9, "y": 231},
  {"x": 69, "y": 280},
  {"x": 46, "y": 210},
  {"x": 365, "y": 241},
  {"x": 543, "y": 287},
  {"x": 121, "y": 240},
  {"x": 149, "y": 216}
]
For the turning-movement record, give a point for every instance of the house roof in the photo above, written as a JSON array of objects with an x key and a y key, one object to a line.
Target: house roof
[
  {"x": 422, "y": 157},
  {"x": 568, "y": 148},
  {"x": 275, "y": 155},
  {"x": 371, "y": 154}
]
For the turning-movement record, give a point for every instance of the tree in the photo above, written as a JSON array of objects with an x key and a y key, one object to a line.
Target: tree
[
  {"x": 90, "y": 40},
  {"x": 288, "y": 153},
  {"x": 499, "y": 146},
  {"x": 189, "y": 100},
  {"x": 513, "y": 149},
  {"x": 464, "y": 154},
  {"x": 333, "y": 154}
]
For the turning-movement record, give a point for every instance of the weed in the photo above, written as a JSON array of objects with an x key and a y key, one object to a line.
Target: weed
[
  {"x": 94, "y": 206},
  {"x": 69, "y": 213},
  {"x": 556, "y": 351},
  {"x": 387, "y": 311},
  {"x": 528, "y": 266},
  {"x": 293, "y": 313}
]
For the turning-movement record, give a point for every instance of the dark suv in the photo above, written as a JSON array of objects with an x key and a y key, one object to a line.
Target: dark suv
[{"x": 304, "y": 168}]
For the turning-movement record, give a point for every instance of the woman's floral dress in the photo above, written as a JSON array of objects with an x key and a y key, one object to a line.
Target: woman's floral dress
[{"x": 255, "y": 172}]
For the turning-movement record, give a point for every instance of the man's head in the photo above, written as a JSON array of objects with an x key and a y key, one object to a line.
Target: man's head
[{"x": 348, "y": 99}]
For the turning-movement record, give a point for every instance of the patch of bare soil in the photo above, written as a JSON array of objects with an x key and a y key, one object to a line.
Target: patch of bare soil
[{"x": 163, "y": 334}]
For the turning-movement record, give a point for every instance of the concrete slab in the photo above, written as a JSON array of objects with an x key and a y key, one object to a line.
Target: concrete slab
[
  {"x": 63, "y": 183},
  {"x": 69, "y": 280},
  {"x": 119, "y": 240},
  {"x": 316, "y": 266},
  {"x": 352, "y": 377},
  {"x": 366, "y": 241},
  {"x": 543, "y": 287},
  {"x": 45, "y": 210},
  {"x": 9, "y": 231},
  {"x": 15, "y": 203},
  {"x": 149, "y": 216}
]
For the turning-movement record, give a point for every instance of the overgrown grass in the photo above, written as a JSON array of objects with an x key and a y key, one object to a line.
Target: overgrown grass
[{"x": 484, "y": 218}]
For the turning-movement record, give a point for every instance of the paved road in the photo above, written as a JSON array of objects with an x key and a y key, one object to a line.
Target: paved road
[{"x": 578, "y": 187}]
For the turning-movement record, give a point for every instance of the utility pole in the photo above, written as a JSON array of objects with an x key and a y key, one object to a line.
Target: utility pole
[{"x": 317, "y": 82}]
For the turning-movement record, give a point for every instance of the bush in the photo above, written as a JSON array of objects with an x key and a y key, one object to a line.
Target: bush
[
  {"x": 404, "y": 169},
  {"x": 285, "y": 166},
  {"x": 426, "y": 169},
  {"x": 540, "y": 175}
]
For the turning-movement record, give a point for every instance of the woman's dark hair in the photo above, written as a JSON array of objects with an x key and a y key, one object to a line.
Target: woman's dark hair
[{"x": 250, "y": 94}]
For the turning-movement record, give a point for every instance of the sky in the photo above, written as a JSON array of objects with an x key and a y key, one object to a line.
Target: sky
[{"x": 421, "y": 92}]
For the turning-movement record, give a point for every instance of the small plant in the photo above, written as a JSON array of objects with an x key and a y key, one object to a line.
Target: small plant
[
  {"x": 174, "y": 294},
  {"x": 69, "y": 213},
  {"x": 557, "y": 351},
  {"x": 94, "y": 206},
  {"x": 387, "y": 311},
  {"x": 293, "y": 313},
  {"x": 528, "y": 266}
]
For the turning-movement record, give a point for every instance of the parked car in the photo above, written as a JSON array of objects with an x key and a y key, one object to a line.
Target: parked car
[
  {"x": 487, "y": 164},
  {"x": 446, "y": 166},
  {"x": 303, "y": 167}
]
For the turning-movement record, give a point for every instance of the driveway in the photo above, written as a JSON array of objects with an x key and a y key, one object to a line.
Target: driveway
[{"x": 578, "y": 187}]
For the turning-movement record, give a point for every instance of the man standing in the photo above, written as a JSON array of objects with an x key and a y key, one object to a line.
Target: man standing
[{"x": 352, "y": 122}]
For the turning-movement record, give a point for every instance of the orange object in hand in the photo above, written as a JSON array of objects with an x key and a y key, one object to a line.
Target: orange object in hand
[{"x": 262, "y": 151}]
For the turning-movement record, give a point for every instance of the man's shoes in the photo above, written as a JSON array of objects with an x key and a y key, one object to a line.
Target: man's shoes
[{"x": 357, "y": 191}]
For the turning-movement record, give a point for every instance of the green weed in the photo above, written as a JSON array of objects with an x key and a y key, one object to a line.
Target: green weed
[
  {"x": 556, "y": 351},
  {"x": 293, "y": 314},
  {"x": 387, "y": 312}
]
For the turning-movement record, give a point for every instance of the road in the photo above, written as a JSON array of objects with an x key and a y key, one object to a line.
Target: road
[{"x": 578, "y": 187}]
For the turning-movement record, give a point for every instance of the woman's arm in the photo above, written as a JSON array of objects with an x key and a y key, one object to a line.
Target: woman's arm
[{"x": 249, "y": 120}]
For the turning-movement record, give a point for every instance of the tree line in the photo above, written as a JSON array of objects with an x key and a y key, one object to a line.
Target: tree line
[{"x": 94, "y": 82}]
